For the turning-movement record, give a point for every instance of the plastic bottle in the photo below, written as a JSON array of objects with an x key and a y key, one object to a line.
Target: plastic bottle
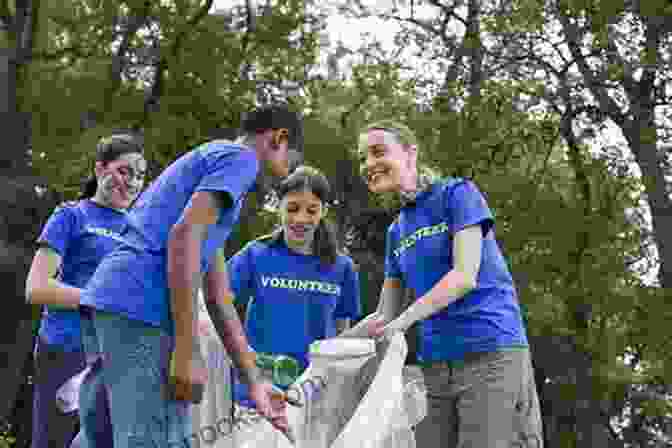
[{"x": 283, "y": 370}]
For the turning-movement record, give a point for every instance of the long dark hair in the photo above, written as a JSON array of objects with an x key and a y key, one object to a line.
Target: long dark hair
[
  {"x": 108, "y": 150},
  {"x": 306, "y": 178}
]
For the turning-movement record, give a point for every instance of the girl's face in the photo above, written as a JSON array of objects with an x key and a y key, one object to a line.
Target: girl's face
[
  {"x": 120, "y": 181},
  {"x": 300, "y": 214}
]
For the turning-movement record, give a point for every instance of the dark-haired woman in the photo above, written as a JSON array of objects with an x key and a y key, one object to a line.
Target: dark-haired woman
[
  {"x": 72, "y": 243},
  {"x": 298, "y": 286}
]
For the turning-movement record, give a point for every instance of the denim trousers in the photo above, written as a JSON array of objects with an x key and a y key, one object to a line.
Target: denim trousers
[{"x": 134, "y": 359}]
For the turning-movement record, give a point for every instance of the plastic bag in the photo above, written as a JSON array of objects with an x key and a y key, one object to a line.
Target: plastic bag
[
  {"x": 370, "y": 400},
  {"x": 67, "y": 396}
]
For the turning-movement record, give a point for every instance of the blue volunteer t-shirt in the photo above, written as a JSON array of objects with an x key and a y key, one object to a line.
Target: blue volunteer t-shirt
[
  {"x": 82, "y": 233},
  {"x": 293, "y": 299},
  {"x": 419, "y": 253},
  {"x": 132, "y": 280}
]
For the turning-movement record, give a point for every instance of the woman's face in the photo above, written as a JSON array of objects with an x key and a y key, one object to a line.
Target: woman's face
[
  {"x": 300, "y": 214},
  {"x": 387, "y": 165},
  {"x": 120, "y": 181}
]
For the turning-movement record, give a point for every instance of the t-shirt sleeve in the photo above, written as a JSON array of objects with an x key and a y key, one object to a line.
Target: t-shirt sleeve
[
  {"x": 350, "y": 305},
  {"x": 392, "y": 269},
  {"x": 241, "y": 274},
  {"x": 58, "y": 231},
  {"x": 466, "y": 207},
  {"x": 231, "y": 171}
]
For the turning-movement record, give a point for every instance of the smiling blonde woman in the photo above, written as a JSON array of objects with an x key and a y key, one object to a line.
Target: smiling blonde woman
[{"x": 472, "y": 343}]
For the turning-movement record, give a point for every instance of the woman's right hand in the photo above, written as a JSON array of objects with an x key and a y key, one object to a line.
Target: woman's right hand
[{"x": 368, "y": 327}]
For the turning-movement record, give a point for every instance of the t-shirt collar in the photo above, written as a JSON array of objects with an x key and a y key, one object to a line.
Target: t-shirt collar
[{"x": 425, "y": 187}]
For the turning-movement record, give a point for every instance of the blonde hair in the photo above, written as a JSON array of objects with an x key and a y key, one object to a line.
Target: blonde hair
[{"x": 401, "y": 131}]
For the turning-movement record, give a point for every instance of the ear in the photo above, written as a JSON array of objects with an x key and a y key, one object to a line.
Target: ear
[{"x": 279, "y": 135}]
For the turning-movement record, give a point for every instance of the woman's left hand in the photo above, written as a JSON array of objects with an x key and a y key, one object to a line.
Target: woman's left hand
[{"x": 390, "y": 329}]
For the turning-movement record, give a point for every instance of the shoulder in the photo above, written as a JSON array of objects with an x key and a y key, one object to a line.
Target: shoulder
[
  {"x": 69, "y": 209},
  {"x": 217, "y": 149},
  {"x": 345, "y": 261},
  {"x": 450, "y": 184},
  {"x": 256, "y": 247},
  {"x": 394, "y": 226}
]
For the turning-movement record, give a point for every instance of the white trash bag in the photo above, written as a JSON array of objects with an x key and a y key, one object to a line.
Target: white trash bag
[{"x": 355, "y": 393}]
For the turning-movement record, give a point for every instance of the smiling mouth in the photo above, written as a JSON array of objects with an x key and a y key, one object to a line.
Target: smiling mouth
[{"x": 299, "y": 231}]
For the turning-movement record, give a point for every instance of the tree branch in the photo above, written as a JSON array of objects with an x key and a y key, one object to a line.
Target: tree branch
[
  {"x": 5, "y": 15},
  {"x": 156, "y": 89},
  {"x": 24, "y": 23},
  {"x": 607, "y": 104}
]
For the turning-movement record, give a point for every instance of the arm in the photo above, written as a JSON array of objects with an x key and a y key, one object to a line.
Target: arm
[
  {"x": 389, "y": 305},
  {"x": 41, "y": 286},
  {"x": 455, "y": 284},
  {"x": 184, "y": 266},
  {"x": 219, "y": 302}
]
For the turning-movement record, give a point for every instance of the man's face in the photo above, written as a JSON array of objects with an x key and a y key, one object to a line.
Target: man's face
[{"x": 386, "y": 163}]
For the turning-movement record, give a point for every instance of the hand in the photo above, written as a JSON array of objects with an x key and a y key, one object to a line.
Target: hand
[
  {"x": 272, "y": 405},
  {"x": 389, "y": 330},
  {"x": 375, "y": 326},
  {"x": 187, "y": 376}
]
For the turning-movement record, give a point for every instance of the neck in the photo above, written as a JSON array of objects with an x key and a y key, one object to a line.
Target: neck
[
  {"x": 103, "y": 203},
  {"x": 305, "y": 248},
  {"x": 411, "y": 185}
]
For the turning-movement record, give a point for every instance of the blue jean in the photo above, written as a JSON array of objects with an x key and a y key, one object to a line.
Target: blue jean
[
  {"x": 134, "y": 372},
  {"x": 94, "y": 409}
]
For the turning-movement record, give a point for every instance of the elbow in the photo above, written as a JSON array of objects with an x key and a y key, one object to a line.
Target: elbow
[{"x": 178, "y": 241}]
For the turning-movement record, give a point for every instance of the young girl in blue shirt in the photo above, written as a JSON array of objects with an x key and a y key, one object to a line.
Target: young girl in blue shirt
[
  {"x": 72, "y": 243},
  {"x": 297, "y": 285}
]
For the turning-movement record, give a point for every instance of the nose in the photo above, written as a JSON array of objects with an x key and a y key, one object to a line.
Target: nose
[{"x": 302, "y": 217}]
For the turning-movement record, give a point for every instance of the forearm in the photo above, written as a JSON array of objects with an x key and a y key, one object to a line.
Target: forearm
[
  {"x": 453, "y": 286},
  {"x": 389, "y": 306},
  {"x": 391, "y": 298},
  {"x": 230, "y": 331},
  {"x": 55, "y": 293},
  {"x": 183, "y": 274},
  {"x": 219, "y": 303}
]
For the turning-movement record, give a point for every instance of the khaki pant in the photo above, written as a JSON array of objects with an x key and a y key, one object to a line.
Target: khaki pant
[{"x": 488, "y": 401}]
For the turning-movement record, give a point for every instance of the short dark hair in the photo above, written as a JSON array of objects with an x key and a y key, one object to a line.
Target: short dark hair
[{"x": 275, "y": 116}]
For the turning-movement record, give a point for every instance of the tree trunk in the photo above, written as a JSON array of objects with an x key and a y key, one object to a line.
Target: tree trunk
[{"x": 22, "y": 209}]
